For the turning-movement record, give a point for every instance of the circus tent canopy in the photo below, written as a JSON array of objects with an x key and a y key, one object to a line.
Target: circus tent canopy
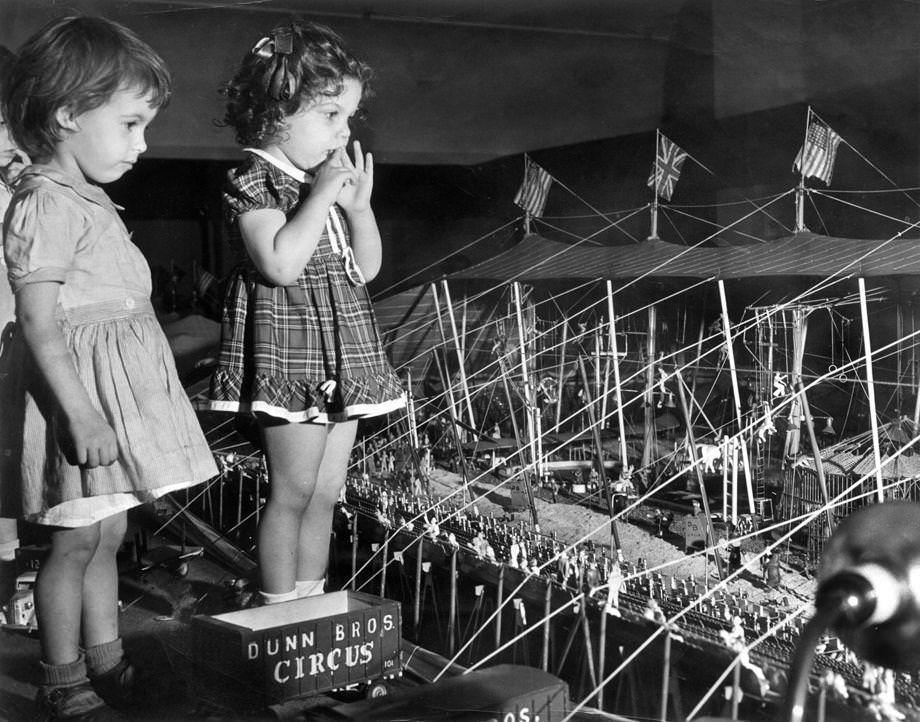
[
  {"x": 855, "y": 455},
  {"x": 802, "y": 254}
]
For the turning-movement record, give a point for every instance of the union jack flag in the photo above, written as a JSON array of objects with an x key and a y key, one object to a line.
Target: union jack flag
[
  {"x": 532, "y": 194},
  {"x": 666, "y": 170},
  {"x": 816, "y": 156}
]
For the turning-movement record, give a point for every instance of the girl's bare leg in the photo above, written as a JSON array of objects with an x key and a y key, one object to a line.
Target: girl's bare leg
[
  {"x": 293, "y": 453},
  {"x": 100, "y": 584},
  {"x": 317, "y": 518},
  {"x": 59, "y": 592}
]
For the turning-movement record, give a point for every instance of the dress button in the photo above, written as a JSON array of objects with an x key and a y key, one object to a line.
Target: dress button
[{"x": 129, "y": 303}]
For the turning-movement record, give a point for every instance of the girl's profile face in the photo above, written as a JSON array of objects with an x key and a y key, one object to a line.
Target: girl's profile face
[
  {"x": 320, "y": 127},
  {"x": 103, "y": 144}
]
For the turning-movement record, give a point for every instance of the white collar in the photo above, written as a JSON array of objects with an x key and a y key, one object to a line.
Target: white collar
[{"x": 282, "y": 165}]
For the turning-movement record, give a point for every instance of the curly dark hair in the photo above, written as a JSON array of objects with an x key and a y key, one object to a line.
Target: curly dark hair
[
  {"x": 77, "y": 62},
  {"x": 269, "y": 86}
]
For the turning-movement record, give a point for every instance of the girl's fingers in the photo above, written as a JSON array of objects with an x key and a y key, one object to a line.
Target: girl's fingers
[{"x": 359, "y": 156}]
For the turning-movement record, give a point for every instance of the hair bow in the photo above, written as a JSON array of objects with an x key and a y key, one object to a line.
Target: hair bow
[{"x": 279, "y": 83}]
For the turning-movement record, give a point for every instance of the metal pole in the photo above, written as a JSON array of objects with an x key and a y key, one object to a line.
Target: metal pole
[
  {"x": 417, "y": 606},
  {"x": 649, "y": 445},
  {"x": 737, "y": 393},
  {"x": 666, "y": 676},
  {"x": 602, "y": 656},
  {"x": 462, "y": 367},
  {"x": 547, "y": 610},
  {"x": 691, "y": 444},
  {"x": 561, "y": 383},
  {"x": 499, "y": 593},
  {"x": 354, "y": 549},
  {"x": 453, "y": 426},
  {"x": 599, "y": 453},
  {"x": 536, "y": 452},
  {"x": 819, "y": 462},
  {"x": 452, "y": 618},
  {"x": 870, "y": 390},
  {"x": 383, "y": 567},
  {"x": 624, "y": 461}
]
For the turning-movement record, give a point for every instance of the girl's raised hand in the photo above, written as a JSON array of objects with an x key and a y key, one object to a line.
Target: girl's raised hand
[
  {"x": 333, "y": 175},
  {"x": 356, "y": 197}
]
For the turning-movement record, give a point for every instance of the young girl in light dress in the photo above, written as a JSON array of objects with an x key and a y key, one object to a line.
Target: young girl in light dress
[
  {"x": 104, "y": 421},
  {"x": 300, "y": 348}
]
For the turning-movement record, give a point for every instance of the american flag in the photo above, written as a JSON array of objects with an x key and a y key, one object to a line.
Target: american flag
[
  {"x": 817, "y": 154},
  {"x": 531, "y": 196},
  {"x": 666, "y": 170}
]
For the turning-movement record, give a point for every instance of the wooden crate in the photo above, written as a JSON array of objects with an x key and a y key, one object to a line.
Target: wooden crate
[{"x": 271, "y": 654}]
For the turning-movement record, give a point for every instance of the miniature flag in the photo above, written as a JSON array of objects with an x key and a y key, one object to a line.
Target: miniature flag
[
  {"x": 531, "y": 196},
  {"x": 816, "y": 156},
  {"x": 666, "y": 170}
]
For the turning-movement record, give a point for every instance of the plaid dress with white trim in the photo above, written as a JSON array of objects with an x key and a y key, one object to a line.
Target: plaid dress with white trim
[{"x": 306, "y": 352}]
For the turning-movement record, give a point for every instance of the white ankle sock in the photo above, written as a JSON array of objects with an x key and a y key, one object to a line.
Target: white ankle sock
[
  {"x": 310, "y": 588},
  {"x": 270, "y": 598}
]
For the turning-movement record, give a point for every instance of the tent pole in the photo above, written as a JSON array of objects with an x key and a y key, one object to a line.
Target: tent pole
[
  {"x": 799, "y": 334},
  {"x": 532, "y": 435},
  {"x": 819, "y": 462},
  {"x": 410, "y": 411},
  {"x": 599, "y": 455},
  {"x": 691, "y": 446},
  {"x": 560, "y": 385},
  {"x": 444, "y": 377},
  {"x": 454, "y": 426},
  {"x": 737, "y": 394},
  {"x": 916, "y": 376},
  {"x": 648, "y": 446},
  {"x": 460, "y": 364},
  {"x": 870, "y": 389},
  {"x": 617, "y": 386}
]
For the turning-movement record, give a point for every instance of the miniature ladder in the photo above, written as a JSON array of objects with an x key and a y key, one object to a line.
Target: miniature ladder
[
  {"x": 760, "y": 469},
  {"x": 764, "y": 506}
]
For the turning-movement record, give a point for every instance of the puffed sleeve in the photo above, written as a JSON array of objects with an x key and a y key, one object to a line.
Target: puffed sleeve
[
  {"x": 254, "y": 185},
  {"x": 43, "y": 230}
]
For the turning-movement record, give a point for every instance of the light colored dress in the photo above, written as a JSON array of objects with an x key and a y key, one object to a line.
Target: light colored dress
[{"x": 67, "y": 231}]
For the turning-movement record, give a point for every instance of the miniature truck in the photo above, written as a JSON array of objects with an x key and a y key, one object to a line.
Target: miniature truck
[{"x": 273, "y": 654}]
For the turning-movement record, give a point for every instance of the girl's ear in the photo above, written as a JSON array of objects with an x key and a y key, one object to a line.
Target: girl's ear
[{"x": 66, "y": 118}]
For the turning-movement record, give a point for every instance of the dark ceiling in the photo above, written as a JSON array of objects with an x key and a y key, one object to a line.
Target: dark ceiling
[
  {"x": 464, "y": 87},
  {"x": 466, "y": 81}
]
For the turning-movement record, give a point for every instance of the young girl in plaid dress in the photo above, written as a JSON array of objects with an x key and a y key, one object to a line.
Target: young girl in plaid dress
[{"x": 300, "y": 348}]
